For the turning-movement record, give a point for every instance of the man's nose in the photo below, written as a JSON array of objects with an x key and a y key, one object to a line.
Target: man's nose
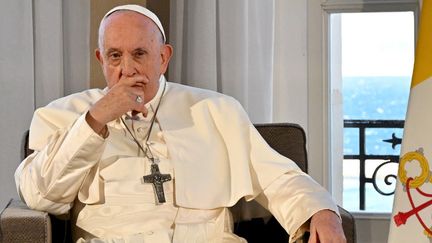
[{"x": 128, "y": 68}]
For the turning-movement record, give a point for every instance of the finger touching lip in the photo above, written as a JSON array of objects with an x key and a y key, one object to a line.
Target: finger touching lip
[
  {"x": 141, "y": 79},
  {"x": 138, "y": 84}
]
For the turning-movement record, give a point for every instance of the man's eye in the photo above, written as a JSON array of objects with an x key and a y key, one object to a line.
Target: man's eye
[
  {"x": 114, "y": 56},
  {"x": 139, "y": 54}
]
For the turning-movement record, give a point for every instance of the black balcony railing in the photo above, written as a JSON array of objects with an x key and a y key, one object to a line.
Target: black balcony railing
[{"x": 363, "y": 157}]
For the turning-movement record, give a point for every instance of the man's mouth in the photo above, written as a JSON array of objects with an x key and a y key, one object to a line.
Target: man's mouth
[{"x": 138, "y": 85}]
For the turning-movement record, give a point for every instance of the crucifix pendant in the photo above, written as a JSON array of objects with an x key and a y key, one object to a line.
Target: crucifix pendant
[{"x": 157, "y": 179}]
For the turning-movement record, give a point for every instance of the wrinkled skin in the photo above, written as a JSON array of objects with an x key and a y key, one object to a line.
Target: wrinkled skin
[{"x": 133, "y": 57}]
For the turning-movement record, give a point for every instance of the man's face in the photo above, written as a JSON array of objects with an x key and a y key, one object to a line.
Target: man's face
[{"x": 132, "y": 47}]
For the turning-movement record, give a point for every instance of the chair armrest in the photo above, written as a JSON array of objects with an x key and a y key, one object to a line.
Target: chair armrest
[
  {"x": 348, "y": 225},
  {"x": 18, "y": 223},
  {"x": 255, "y": 223}
]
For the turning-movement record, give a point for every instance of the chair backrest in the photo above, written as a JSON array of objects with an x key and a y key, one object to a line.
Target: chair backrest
[
  {"x": 288, "y": 139},
  {"x": 26, "y": 151}
]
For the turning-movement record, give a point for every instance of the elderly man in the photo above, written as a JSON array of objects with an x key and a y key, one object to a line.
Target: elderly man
[{"x": 145, "y": 160}]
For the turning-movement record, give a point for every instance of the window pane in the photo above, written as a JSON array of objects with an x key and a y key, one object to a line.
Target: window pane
[
  {"x": 389, "y": 93},
  {"x": 351, "y": 169},
  {"x": 375, "y": 144},
  {"x": 372, "y": 57},
  {"x": 351, "y": 141}
]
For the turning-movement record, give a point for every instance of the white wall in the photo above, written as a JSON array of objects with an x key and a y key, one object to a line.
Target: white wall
[{"x": 372, "y": 230}]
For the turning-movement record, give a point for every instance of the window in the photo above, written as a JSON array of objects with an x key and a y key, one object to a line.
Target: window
[{"x": 370, "y": 65}]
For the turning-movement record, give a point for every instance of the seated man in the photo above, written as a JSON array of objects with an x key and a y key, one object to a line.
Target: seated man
[{"x": 146, "y": 160}]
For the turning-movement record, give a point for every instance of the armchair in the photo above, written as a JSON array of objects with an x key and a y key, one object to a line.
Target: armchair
[
  {"x": 288, "y": 139},
  {"x": 20, "y": 224}
]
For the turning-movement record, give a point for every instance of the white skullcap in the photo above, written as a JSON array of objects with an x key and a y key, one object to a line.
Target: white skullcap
[{"x": 139, "y": 9}]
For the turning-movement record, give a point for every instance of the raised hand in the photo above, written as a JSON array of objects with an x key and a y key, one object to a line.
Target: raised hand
[{"x": 121, "y": 98}]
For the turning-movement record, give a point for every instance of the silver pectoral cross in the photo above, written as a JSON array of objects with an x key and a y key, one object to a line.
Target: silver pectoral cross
[{"x": 157, "y": 179}]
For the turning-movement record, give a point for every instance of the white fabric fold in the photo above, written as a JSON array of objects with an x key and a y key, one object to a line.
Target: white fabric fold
[{"x": 205, "y": 226}]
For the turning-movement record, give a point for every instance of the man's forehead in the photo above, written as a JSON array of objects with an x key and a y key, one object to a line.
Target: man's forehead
[
  {"x": 138, "y": 9},
  {"x": 126, "y": 18}
]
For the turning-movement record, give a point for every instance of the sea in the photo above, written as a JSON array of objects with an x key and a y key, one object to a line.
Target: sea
[{"x": 372, "y": 98}]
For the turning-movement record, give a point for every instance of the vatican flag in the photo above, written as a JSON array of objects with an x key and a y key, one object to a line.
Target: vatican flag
[{"x": 411, "y": 220}]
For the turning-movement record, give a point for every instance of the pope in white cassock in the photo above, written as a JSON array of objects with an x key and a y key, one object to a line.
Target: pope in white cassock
[{"x": 146, "y": 160}]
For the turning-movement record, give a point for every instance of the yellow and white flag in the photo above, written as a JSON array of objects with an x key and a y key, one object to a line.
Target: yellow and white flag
[{"x": 411, "y": 220}]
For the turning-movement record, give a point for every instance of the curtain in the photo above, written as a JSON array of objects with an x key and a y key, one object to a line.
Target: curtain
[
  {"x": 255, "y": 51},
  {"x": 44, "y": 56},
  {"x": 61, "y": 49},
  {"x": 226, "y": 46},
  {"x": 16, "y": 88}
]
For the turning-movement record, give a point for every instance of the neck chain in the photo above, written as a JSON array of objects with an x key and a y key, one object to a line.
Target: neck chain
[
  {"x": 147, "y": 151},
  {"x": 155, "y": 177}
]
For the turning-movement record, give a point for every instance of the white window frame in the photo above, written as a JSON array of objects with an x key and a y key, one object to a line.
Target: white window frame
[{"x": 325, "y": 138}]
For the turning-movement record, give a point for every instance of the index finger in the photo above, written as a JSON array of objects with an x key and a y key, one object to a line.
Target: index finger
[{"x": 137, "y": 80}]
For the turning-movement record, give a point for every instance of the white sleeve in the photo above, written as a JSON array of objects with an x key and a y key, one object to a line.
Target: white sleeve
[
  {"x": 49, "y": 179},
  {"x": 293, "y": 198}
]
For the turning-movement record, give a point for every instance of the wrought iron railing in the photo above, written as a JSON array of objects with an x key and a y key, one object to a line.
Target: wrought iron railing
[{"x": 363, "y": 157}]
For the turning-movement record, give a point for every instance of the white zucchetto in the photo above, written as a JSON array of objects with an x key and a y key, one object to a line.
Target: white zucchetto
[{"x": 139, "y": 9}]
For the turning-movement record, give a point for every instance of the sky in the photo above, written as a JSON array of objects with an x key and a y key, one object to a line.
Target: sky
[{"x": 377, "y": 44}]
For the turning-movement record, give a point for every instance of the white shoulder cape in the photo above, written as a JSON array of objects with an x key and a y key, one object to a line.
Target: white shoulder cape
[{"x": 218, "y": 155}]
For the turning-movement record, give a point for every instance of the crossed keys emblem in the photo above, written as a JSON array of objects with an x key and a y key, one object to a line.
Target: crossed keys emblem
[{"x": 410, "y": 183}]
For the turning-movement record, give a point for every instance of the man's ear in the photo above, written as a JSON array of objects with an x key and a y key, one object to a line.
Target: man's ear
[
  {"x": 166, "y": 53},
  {"x": 98, "y": 54}
]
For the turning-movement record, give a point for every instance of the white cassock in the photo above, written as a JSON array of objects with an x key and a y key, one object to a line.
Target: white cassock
[{"x": 203, "y": 139}]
